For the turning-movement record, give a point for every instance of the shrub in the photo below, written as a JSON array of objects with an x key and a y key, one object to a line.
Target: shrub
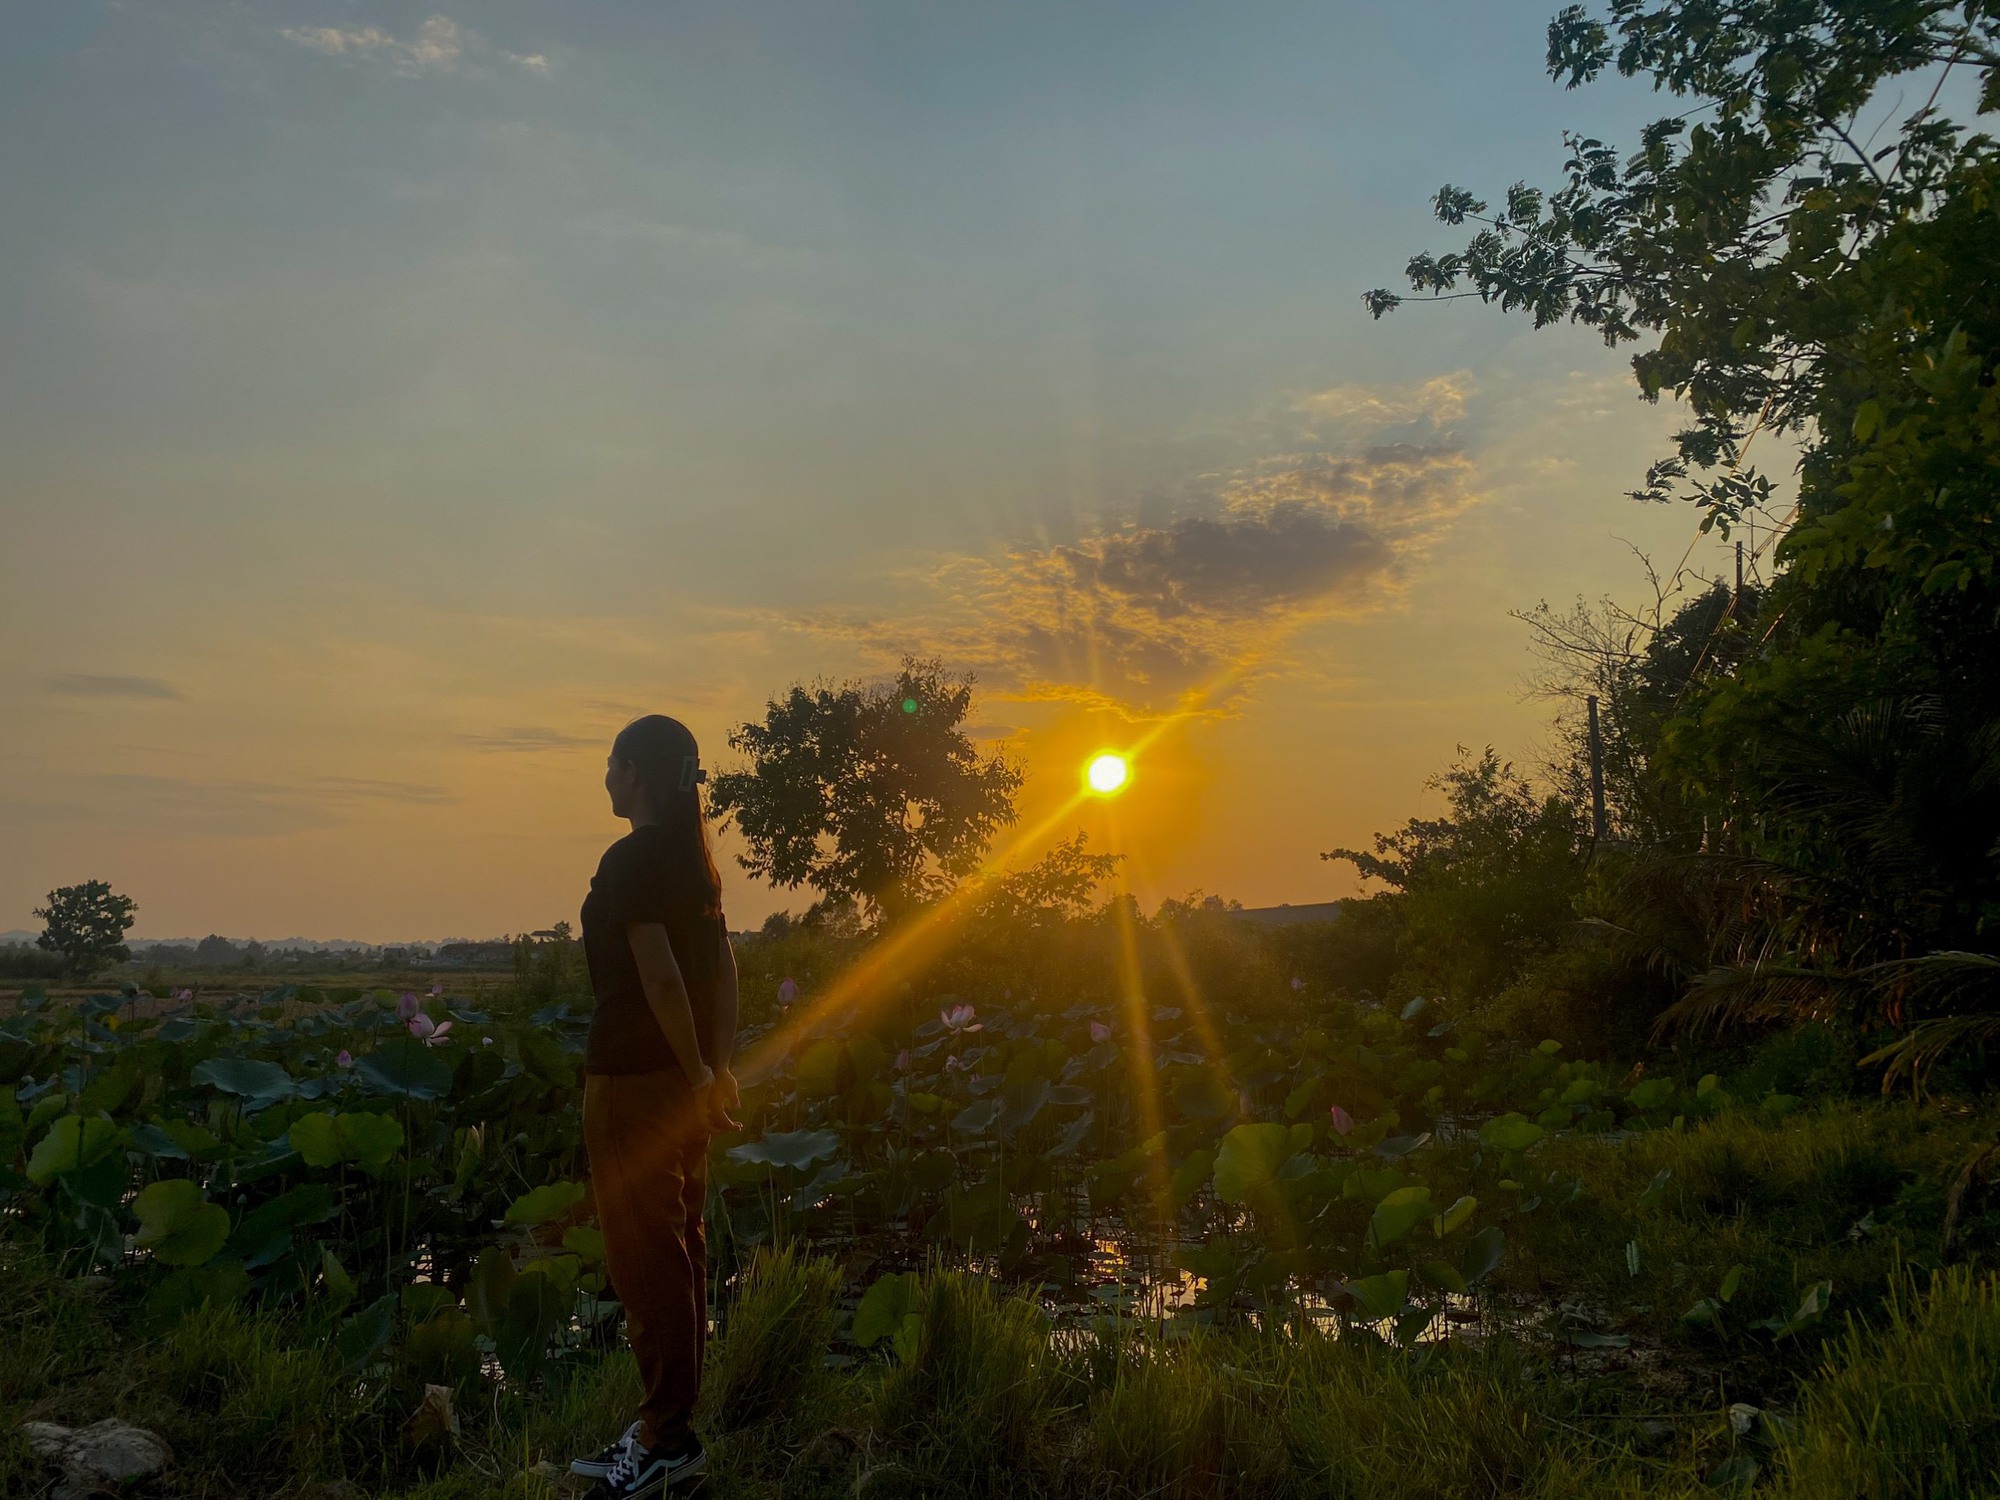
[{"x": 772, "y": 1351}]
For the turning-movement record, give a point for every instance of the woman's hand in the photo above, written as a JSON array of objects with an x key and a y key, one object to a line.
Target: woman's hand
[{"x": 718, "y": 1100}]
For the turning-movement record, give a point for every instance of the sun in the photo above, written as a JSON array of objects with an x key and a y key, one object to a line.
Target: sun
[{"x": 1108, "y": 773}]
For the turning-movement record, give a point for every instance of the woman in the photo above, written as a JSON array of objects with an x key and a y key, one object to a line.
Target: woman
[{"x": 656, "y": 1086}]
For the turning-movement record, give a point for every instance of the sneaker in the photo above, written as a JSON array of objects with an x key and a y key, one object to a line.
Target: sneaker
[
  {"x": 639, "y": 1473},
  {"x": 599, "y": 1463}
]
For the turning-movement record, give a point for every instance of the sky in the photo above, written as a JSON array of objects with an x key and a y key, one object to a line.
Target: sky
[{"x": 395, "y": 399}]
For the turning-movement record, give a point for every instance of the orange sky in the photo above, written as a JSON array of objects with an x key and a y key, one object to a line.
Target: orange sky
[{"x": 392, "y": 408}]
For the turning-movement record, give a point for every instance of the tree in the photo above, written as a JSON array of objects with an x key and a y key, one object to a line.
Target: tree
[
  {"x": 86, "y": 924},
  {"x": 868, "y": 793},
  {"x": 1484, "y": 888},
  {"x": 1801, "y": 261}
]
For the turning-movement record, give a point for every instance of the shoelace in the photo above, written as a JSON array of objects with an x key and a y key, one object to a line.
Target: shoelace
[{"x": 623, "y": 1470}]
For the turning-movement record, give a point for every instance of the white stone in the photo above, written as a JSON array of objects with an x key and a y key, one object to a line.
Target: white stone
[{"x": 99, "y": 1457}]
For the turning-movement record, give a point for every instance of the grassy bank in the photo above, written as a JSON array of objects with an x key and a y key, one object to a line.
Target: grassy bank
[{"x": 1893, "y": 1390}]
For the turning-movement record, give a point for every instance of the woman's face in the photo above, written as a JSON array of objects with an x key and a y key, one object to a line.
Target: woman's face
[{"x": 621, "y": 780}]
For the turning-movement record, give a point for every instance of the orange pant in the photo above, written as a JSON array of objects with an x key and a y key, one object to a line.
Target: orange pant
[{"x": 649, "y": 1175}]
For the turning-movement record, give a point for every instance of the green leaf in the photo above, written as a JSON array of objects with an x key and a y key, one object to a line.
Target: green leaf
[
  {"x": 884, "y": 1306},
  {"x": 1731, "y": 1280},
  {"x": 1382, "y": 1296},
  {"x": 1656, "y": 1189},
  {"x": 1397, "y": 1214},
  {"x": 179, "y": 1225},
  {"x": 323, "y": 1139},
  {"x": 1247, "y": 1163},
  {"x": 339, "y": 1285},
  {"x": 1651, "y": 1095},
  {"x": 540, "y": 1205},
  {"x": 977, "y": 1118},
  {"x": 1454, "y": 1218},
  {"x": 74, "y": 1143},
  {"x": 405, "y": 1068},
  {"x": 1482, "y": 1255},
  {"x": 259, "y": 1084},
  {"x": 366, "y": 1332},
  {"x": 1512, "y": 1132},
  {"x": 1444, "y": 1276},
  {"x": 798, "y": 1149},
  {"x": 820, "y": 1069},
  {"x": 265, "y": 1232}
]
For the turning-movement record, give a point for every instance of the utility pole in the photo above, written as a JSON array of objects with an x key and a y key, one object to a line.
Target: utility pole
[{"x": 1597, "y": 819}]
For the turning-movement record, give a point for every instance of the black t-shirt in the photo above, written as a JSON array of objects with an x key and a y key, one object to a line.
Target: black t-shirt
[{"x": 633, "y": 883}]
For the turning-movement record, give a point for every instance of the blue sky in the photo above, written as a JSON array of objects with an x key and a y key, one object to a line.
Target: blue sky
[{"x": 394, "y": 397}]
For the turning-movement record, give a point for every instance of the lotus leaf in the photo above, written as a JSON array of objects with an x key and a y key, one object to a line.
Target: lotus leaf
[
  {"x": 179, "y": 1225},
  {"x": 977, "y": 1118},
  {"x": 823, "y": 1069},
  {"x": 191, "y": 1287},
  {"x": 1382, "y": 1296},
  {"x": 74, "y": 1143},
  {"x": 324, "y": 1139},
  {"x": 797, "y": 1149},
  {"x": 1482, "y": 1255},
  {"x": 887, "y": 1307},
  {"x": 1247, "y": 1163},
  {"x": 540, "y": 1205},
  {"x": 258, "y": 1083},
  {"x": 265, "y": 1233},
  {"x": 405, "y": 1068},
  {"x": 1511, "y": 1132},
  {"x": 1455, "y": 1216},
  {"x": 1399, "y": 1213}
]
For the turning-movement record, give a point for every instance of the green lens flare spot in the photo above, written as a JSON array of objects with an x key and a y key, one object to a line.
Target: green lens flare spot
[{"x": 909, "y": 705}]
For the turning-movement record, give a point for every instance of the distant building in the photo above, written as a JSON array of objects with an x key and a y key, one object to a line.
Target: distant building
[{"x": 1288, "y": 915}]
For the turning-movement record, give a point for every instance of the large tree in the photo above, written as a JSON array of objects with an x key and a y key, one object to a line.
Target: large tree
[
  {"x": 1809, "y": 245},
  {"x": 874, "y": 793},
  {"x": 86, "y": 924}
]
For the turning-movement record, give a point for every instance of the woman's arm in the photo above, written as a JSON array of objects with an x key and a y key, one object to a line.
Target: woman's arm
[
  {"x": 666, "y": 994},
  {"x": 724, "y": 1097},
  {"x": 723, "y": 1045}
]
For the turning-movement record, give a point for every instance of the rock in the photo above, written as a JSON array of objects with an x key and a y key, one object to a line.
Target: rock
[{"x": 98, "y": 1458}]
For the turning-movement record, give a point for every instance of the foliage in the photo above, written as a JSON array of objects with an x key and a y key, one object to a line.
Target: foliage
[
  {"x": 870, "y": 793},
  {"x": 1481, "y": 890},
  {"x": 86, "y": 924}
]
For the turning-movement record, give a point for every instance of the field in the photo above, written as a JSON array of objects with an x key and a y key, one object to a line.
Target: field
[{"x": 1043, "y": 1232}]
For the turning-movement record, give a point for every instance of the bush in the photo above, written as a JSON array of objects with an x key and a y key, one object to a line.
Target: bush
[
  {"x": 771, "y": 1355},
  {"x": 979, "y": 1390}
]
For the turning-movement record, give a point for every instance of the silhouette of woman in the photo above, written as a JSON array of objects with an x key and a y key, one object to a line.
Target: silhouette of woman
[{"x": 656, "y": 1086}]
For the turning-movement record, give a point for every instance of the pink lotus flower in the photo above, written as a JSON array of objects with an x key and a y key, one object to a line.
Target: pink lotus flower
[
  {"x": 406, "y": 1004},
  {"x": 960, "y": 1018},
  {"x": 1297, "y": 983},
  {"x": 955, "y": 1065},
  {"x": 343, "y": 1058},
  {"x": 788, "y": 990},
  {"x": 427, "y": 1031},
  {"x": 486, "y": 1041},
  {"x": 1342, "y": 1120},
  {"x": 903, "y": 1061},
  {"x": 1099, "y": 1032},
  {"x": 184, "y": 994},
  {"x": 437, "y": 989}
]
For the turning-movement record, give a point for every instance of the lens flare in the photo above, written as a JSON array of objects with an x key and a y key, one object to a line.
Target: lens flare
[{"x": 1108, "y": 773}]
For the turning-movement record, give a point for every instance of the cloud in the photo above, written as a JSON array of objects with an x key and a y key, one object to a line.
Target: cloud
[
  {"x": 1435, "y": 404},
  {"x": 437, "y": 46},
  {"x": 532, "y": 62},
  {"x": 191, "y": 807},
  {"x": 90, "y": 685},
  {"x": 1138, "y": 618},
  {"x": 531, "y": 738}
]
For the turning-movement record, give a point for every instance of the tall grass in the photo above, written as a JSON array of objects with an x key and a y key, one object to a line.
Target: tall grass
[
  {"x": 771, "y": 1357},
  {"x": 979, "y": 1394},
  {"x": 1909, "y": 1409}
]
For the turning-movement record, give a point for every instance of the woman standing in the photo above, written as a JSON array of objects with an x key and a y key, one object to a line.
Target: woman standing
[{"x": 656, "y": 1086}]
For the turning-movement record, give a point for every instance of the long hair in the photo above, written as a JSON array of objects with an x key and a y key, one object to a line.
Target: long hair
[{"x": 664, "y": 754}]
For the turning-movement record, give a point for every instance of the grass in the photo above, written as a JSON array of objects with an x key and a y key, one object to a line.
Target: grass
[{"x": 1896, "y": 1394}]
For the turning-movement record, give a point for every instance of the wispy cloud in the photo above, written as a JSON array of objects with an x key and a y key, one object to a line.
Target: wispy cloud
[
  {"x": 1135, "y": 618},
  {"x": 531, "y": 738},
  {"x": 91, "y": 685},
  {"x": 437, "y": 46},
  {"x": 194, "y": 807}
]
